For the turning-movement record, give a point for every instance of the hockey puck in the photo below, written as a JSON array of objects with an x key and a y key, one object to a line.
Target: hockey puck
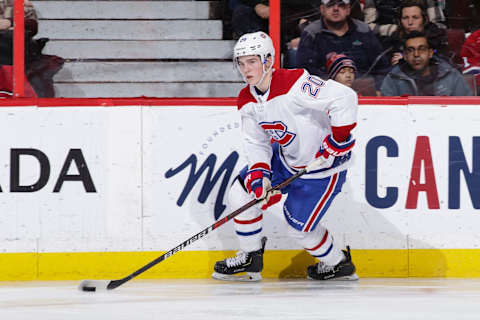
[{"x": 89, "y": 289}]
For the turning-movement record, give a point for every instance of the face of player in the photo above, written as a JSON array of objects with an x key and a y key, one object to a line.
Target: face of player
[
  {"x": 418, "y": 53},
  {"x": 251, "y": 67},
  {"x": 412, "y": 19},
  {"x": 345, "y": 76},
  {"x": 335, "y": 11}
]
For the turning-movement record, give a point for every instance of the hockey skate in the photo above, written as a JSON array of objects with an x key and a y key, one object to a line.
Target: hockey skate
[
  {"x": 345, "y": 270},
  {"x": 245, "y": 266}
]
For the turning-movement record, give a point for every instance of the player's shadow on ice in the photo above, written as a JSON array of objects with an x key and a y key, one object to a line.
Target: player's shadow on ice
[{"x": 298, "y": 266}]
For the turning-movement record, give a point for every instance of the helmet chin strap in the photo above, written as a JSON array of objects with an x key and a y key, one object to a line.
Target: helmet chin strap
[{"x": 264, "y": 74}]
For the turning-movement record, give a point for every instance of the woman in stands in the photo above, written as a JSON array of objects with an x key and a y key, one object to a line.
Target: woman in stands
[{"x": 413, "y": 16}]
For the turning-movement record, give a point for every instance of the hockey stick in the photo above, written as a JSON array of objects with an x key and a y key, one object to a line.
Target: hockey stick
[{"x": 96, "y": 285}]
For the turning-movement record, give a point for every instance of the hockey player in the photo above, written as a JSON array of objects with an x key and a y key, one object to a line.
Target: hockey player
[{"x": 289, "y": 118}]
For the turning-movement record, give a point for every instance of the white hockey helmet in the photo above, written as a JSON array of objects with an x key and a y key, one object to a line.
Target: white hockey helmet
[{"x": 257, "y": 43}]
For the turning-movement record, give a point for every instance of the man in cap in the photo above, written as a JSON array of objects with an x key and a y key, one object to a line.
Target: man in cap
[{"x": 337, "y": 31}]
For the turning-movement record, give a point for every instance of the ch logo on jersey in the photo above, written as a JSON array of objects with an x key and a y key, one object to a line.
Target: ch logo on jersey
[{"x": 278, "y": 131}]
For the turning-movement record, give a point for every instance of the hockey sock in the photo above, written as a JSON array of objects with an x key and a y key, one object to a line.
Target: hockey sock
[
  {"x": 249, "y": 232},
  {"x": 248, "y": 225}
]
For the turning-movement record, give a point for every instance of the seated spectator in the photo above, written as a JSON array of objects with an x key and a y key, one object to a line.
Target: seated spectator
[
  {"x": 381, "y": 16},
  {"x": 337, "y": 32},
  {"x": 413, "y": 17},
  {"x": 6, "y": 45},
  {"x": 422, "y": 74},
  {"x": 341, "y": 68},
  {"x": 6, "y": 17},
  {"x": 39, "y": 68},
  {"x": 6, "y": 84},
  {"x": 471, "y": 54},
  {"x": 293, "y": 23},
  {"x": 252, "y": 15},
  {"x": 248, "y": 16},
  {"x": 293, "y": 40}
]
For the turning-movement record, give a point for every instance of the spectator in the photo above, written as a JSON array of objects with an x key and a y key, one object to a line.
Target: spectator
[
  {"x": 252, "y": 15},
  {"x": 292, "y": 42},
  {"x": 422, "y": 74},
  {"x": 39, "y": 68},
  {"x": 6, "y": 84},
  {"x": 6, "y": 45},
  {"x": 381, "y": 16},
  {"x": 248, "y": 16},
  {"x": 471, "y": 54},
  {"x": 6, "y": 30},
  {"x": 341, "y": 68},
  {"x": 413, "y": 17},
  {"x": 337, "y": 32},
  {"x": 6, "y": 17}
]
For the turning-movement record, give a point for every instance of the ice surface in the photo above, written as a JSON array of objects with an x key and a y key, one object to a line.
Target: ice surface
[{"x": 366, "y": 299}]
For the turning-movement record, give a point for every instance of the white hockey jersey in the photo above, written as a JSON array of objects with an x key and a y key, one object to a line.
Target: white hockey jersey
[{"x": 297, "y": 111}]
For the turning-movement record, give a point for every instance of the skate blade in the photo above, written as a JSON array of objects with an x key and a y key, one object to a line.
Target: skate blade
[
  {"x": 244, "y": 277},
  {"x": 352, "y": 277}
]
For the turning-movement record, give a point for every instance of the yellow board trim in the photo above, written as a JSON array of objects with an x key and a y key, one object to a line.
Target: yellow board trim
[{"x": 458, "y": 263}]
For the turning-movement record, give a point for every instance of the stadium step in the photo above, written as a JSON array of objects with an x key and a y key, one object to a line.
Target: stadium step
[
  {"x": 134, "y": 49},
  {"x": 130, "y": 29},
  {"x": 103, "y": 10},
  {"x": 159, "y": 90},
  {"x": 138, "y": 48},
  {"x": 135, "y": 71}
]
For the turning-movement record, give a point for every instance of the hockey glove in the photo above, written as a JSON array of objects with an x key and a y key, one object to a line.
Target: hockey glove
[
  {"x": 258, "y": 183},
  {"x": 331, "y": 149}
]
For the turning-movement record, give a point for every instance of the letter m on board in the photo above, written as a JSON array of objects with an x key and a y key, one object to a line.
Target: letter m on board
[{"x": 211, "y": 179}]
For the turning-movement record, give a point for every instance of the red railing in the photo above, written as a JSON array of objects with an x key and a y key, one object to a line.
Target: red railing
[
  {"x": 275, "y": 29},
  {"x": 275, "y": 32},
  {"x": 18, "y": 49},
  {"x": 147, "y": 101}
]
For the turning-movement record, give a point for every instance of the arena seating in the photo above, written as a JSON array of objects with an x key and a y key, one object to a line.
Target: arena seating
[{"x": 138, "y": 48}]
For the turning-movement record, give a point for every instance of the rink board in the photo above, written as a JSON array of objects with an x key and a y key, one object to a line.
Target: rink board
[
  {"x": 444, "y": 263},
  {"x": 96, "y": 188}
]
